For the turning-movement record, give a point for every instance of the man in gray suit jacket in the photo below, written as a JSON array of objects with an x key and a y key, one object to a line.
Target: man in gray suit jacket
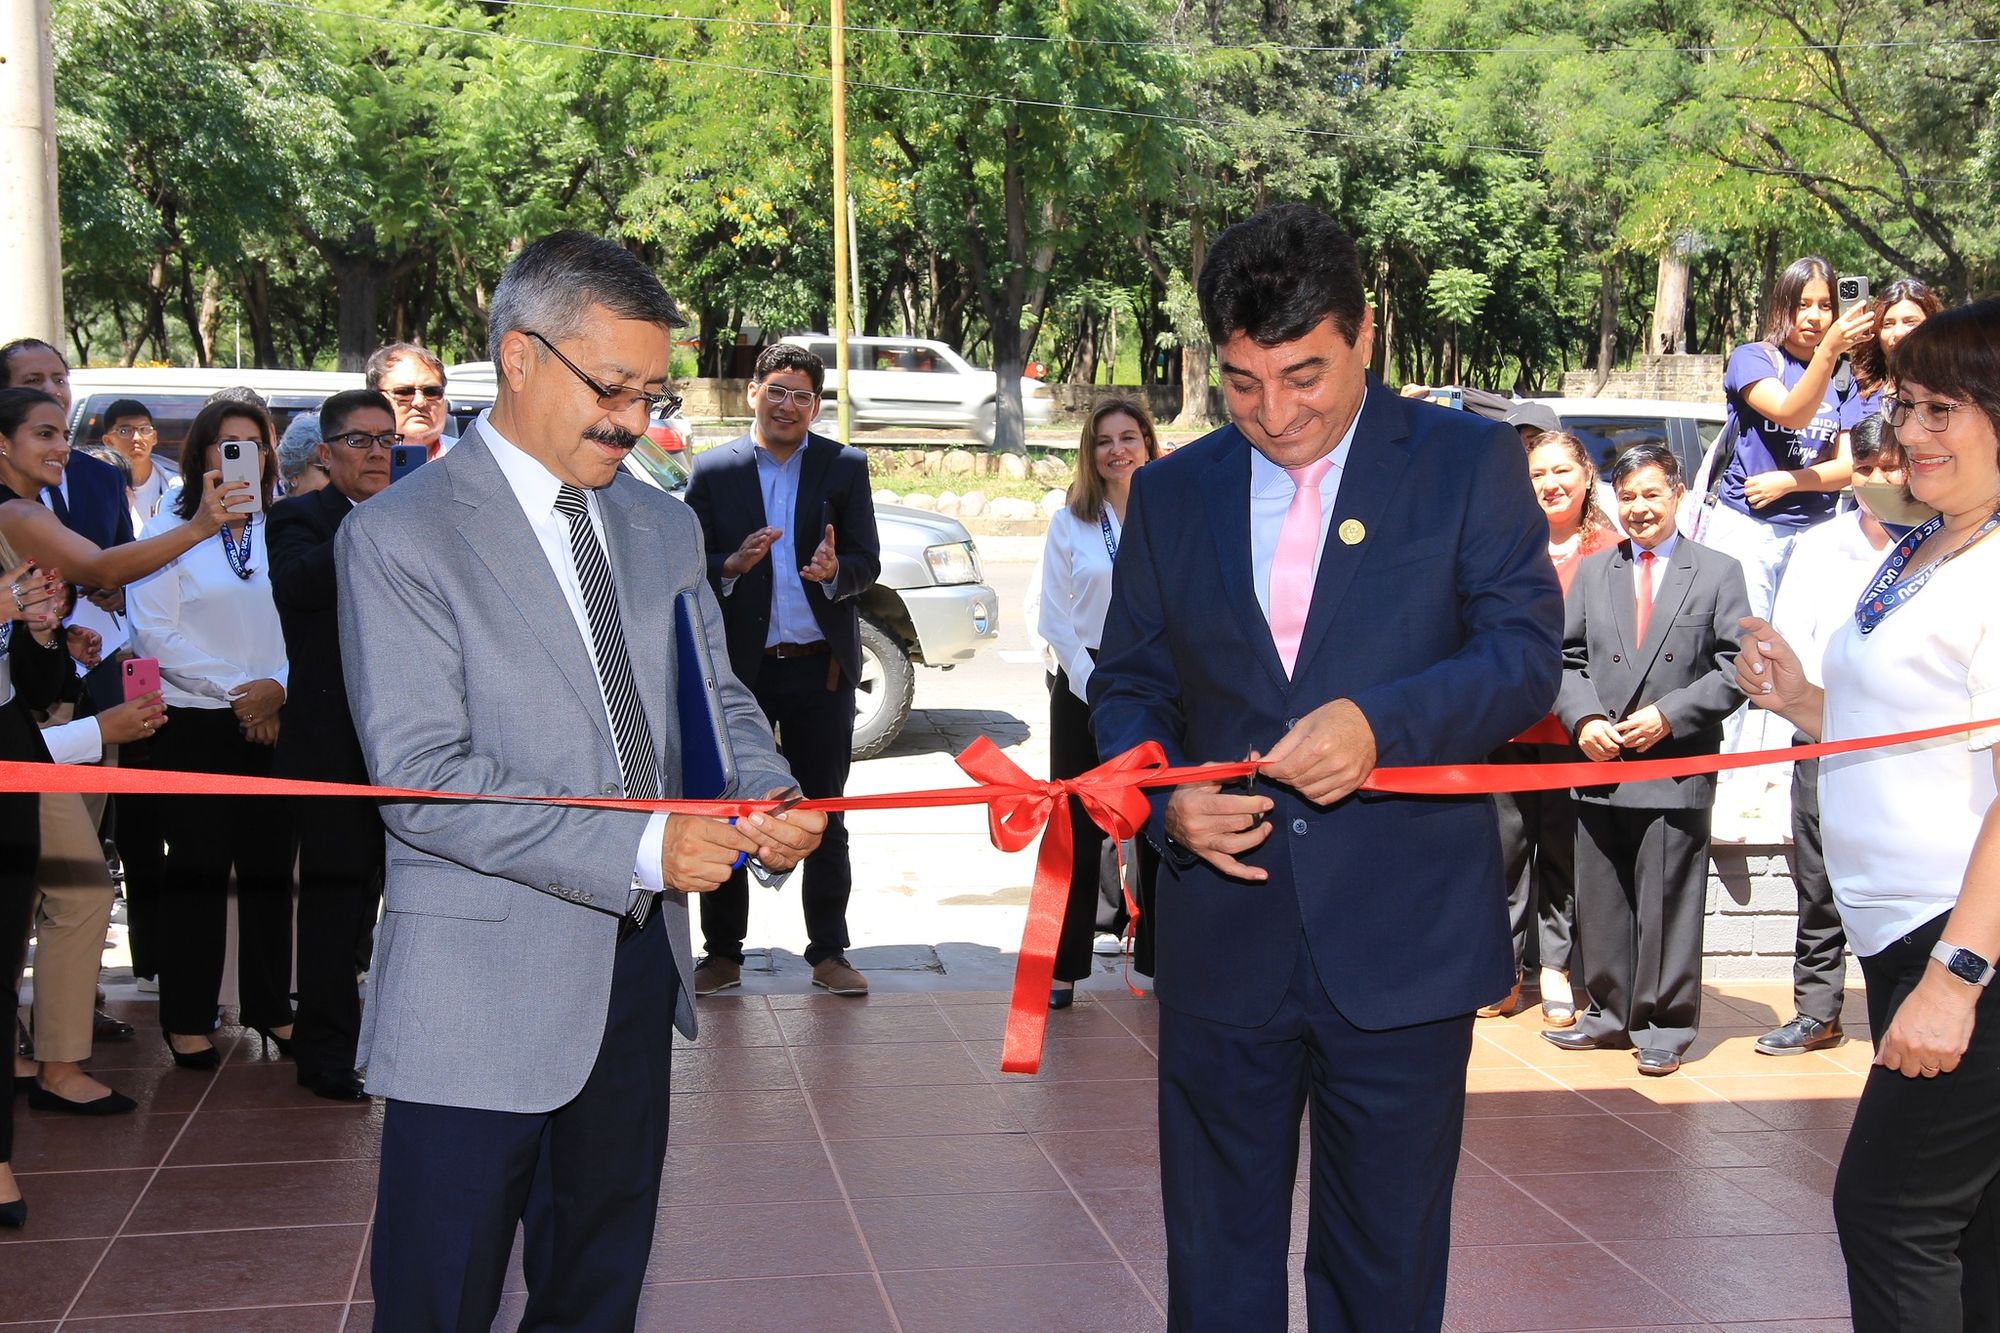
[
  {"x": 508, "y": 619},
  {"x": 1649, "y": 652}
]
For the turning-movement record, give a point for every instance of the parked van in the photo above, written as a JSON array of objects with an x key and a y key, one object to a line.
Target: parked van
[{"x": 919, "y": 382}]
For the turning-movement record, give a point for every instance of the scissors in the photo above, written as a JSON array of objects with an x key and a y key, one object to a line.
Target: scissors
[{"x": 790, "y": 801}]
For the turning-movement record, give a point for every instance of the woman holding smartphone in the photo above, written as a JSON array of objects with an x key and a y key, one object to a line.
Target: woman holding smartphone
[{"x": 209, "y": 620}]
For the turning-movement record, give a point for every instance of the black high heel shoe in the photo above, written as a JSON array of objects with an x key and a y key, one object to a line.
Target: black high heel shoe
[
  {"x": 269, "y": 1039},
  {"x": 204, "y": 1059},
  {"x": 14, "y": 1215}
]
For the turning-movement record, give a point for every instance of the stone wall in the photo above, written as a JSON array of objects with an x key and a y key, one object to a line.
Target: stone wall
[
  {"x": 1752, "y": 916},
  {"x": 1682, "y": 378}
]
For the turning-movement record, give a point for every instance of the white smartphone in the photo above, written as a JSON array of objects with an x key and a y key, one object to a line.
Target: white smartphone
[{"x": 243, "y": 461}]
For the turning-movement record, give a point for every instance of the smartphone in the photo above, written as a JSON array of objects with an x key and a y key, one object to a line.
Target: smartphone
[
  {"x": 1852, "y": 291},
  {"x": 243, "y": 461},
  {"x": 141, "y": 675},
  {"x": 405, "y": 459}
]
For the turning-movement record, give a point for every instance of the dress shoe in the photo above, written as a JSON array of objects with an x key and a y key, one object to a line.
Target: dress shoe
[
  {"x": 1062, "y": 996},
  {"x": 836, "y": 975},
  {"x": 336, "y": 1085},
  {"x": 112, "y": 1103},
  {"x": 14, "y": 1215},
  {"x": 270, "y": 1039},
  {"x": 1573, "y": 1040},
  {"x": 1558, "y": 1014},
  {"x": 716, "y": 974},
  {"x": 1657, "y": 1062},
  {"x": 1504, "y": 1008},
  {"x": 1800, "y": 1035},
  {"x": 103, "y": 1027},
  {"x": 206, "y": 1058}
]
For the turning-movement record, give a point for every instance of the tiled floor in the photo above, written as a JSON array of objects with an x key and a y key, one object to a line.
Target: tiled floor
[{"x": 840, "y": 1165}]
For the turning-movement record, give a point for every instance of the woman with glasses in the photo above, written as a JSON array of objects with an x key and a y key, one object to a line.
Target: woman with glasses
[
  {"x": 209, "y": 619},
  {"x": 412, "y": 379},
  {"x": 1912, "y": 840},
  {"x": 129, "y": 432}
]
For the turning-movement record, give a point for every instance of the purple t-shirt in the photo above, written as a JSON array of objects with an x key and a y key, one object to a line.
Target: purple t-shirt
[
  {"x": 1859, "y": 407},
  {"x": 1765, "y": 446}
]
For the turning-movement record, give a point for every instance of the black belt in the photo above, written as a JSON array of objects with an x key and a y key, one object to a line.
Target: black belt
[{"x": 781, "y": 650}]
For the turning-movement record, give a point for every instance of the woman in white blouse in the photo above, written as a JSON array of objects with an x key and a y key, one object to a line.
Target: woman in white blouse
[
  {"x": 209, "y": 619},
  {"x": 1912, "y": 836},
  {"x": 1075, "y": 594}
]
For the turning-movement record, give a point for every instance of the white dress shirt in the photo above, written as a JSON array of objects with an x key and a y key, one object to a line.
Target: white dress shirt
[
  {"x": 1829, "y": 567},
  {"x": 1075, "y": 583},
  {"x": 536, "y": 487},
  {"x": 210, "y": 630},
  {"x": 1271, "y": 492}
]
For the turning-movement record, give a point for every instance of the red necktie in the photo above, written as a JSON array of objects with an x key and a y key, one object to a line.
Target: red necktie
[{"x": 1642, "y": 613}]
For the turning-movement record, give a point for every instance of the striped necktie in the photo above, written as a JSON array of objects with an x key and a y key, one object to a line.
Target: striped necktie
[{"x": 629, "y": 729}]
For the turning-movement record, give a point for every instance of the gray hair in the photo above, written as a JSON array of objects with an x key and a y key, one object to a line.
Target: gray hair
[
  {"x": 297, "y": 449},
  {"x": 552, "y": 285},
  {"x": 388, "y": 354}
]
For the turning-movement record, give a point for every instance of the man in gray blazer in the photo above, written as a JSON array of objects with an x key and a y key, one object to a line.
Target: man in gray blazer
[
  {"x": 1649, "y": 652},
  {"x": 509, "y": 618}
]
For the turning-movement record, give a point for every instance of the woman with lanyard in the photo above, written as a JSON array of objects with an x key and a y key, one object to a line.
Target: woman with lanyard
[
  {"x": 1075, "y": 594},
  {"x": 210, "y": 621},
  {"x": 1912, "y": 837}
]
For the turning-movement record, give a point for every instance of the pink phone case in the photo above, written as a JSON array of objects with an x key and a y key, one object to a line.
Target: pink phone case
[{"x": 141, "y": 676}]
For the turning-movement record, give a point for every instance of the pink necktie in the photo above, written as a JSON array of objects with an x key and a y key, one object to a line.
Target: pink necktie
[
  {"x": 1643, "y": 611},
  {"x": 1293, "y": 566}
]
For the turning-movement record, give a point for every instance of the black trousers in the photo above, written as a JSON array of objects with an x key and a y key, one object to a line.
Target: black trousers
[
  {"x": 141, "y": 836},
  {"x": 1387, "y": 1111},
  {"x": 340, "y": 887},
  {"x": 1819, "y": 962},
  {"x": 20, "y": 850},
  {"x": 1538, "y": 857},
  {"x": 1096, "y": 900},
  {"x": 208, "y": 838},
  {"x": 1917, "y": 1199},
  {"x": 815, "y": 731},
  {"x": 1641, "y": 886},
  {"x": 583, "y": 1179}
]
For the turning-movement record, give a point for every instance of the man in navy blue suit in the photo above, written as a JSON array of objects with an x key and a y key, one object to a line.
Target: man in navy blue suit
[{"x": 1341, "y": 578}]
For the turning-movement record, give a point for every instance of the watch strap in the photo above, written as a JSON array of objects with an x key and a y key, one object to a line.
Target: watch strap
[{"x": 1962, "y": 963}]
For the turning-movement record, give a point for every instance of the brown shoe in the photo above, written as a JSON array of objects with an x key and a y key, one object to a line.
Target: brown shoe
[
  {"x": 1503, "y": 1008},
  {"x": 834, "y": 974},
  {"x": 714, "y": 974}
]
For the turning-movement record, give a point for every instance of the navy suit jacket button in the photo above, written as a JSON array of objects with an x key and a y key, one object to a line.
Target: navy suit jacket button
[
  {"x": 1616, "y": 658},
  {"x": 1300, "y": 827},
  {"x": 1670, "y": 657}
]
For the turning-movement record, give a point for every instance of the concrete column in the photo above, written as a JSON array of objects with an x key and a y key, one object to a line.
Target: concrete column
[{"x": 30, "y": 239}]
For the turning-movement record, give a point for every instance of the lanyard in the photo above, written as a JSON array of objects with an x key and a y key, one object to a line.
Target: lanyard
[
  {"x": 239, "y": 557},
  {"x": 1104, "y": 526},
  {"x": 1890, "y": 589}
]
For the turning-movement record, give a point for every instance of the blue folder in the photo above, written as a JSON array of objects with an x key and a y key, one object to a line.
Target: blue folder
[{"x": 708, "y": 766}]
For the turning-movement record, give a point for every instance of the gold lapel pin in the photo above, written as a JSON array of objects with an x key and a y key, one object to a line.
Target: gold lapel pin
[{"x": 1351, "y": 532}]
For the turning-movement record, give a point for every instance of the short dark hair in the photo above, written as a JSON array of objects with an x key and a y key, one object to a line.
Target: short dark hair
[
  {"x": 1276, "y": 275},
  {"x": 204, "y": 430},
  {"x": 388, "y": 354},
  {"x": 1869, "y": 360},
  {"x": 122, "y": 409},
  {"x": 1782, "y": 313},
  {"x": 1645, "y": 454},
  {"x": 789, "y": 356},
  {"x": 8, "y": 351},
  {"x": 553, "y": 283},
  {"x": 1956, "y": 352},
  {"x": 15, "y": 404},
  {"x": 334, "y": 412},
  {"x": 1871, "y": 441},
  {"x": 241, "y": 394}
]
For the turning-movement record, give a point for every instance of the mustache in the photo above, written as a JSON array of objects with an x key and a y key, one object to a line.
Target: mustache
[{"x": 615, "y": 436}]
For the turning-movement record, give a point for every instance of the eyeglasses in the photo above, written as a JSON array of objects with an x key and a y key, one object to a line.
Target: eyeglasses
[
  {"x": 407, "y": 393},
  {"x": 361, "y": 439},
  {"x": 780, "y": 395},
  {"x": 1931, "y": 414},
  {"x": 620, "y": 398},
  {"x": 135, "y": 432}
]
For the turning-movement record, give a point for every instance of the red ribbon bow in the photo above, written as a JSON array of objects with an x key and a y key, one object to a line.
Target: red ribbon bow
[{"x": 1112, "y": 795}]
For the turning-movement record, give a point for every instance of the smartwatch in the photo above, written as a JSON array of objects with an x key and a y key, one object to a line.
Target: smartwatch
[{"x": 1964, "y": 964}]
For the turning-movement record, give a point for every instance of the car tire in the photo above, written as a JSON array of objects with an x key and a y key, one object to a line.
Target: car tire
[
  {"x": 882, "y": 699},
  {"x": 985, "y": 422}
]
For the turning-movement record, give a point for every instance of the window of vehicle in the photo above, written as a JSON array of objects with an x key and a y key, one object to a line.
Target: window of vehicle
[
  {"x": 173, "y": 413},
  {"x": 666, "y": 470},
  {"x": 1608, "y": 437}
]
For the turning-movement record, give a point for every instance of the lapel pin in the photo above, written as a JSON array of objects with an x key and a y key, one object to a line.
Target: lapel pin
[{"x": 1351, "y": 532}]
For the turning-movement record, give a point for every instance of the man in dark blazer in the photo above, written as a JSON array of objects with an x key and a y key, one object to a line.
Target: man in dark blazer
[
  {"x": 789, "y": 522},
  {"x": 1340, "y": 578},
  {"x": 340, "y": 841},
  {"x": 1653, "y": 688}
]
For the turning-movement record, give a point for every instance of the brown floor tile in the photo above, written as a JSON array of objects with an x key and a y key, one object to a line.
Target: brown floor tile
[
  {"x": 732, "y": 1117},
  {"x": 1733, "y": 1279},
  {"x": 75, "y": 1205},
  {"x": 737, "y": 1240},
  {"x": 948, "y": 999},
  {"x": 1792, "y": 1326},
  {"x": 976, "y": 1229},
  {"x": 260, "y": 1086},
  {"x": 1488, "y": 1210},
  {"x": 833, "y": 1303},
  {"x": 1824, "y": 1101},
  {"x": 1131, "y": 1104},
  {"x": 44, "y": 1276},
  {"x": 875, "y": 1000},
  {"x": 1638, "y": 1205},
  {"x": 943, "y": 1164},
  {"x": 752, "y": 1172},
  {"x": 157, "y": 1091},
  {"x": 307, "y": 1134},
  {"x": 1704, "y": 1147},
  {"x": 1807, "y": 1203},
  {"x": 875, "y": 1113},
  {"x": 224, "y": 1271},
  {"x": 1530, "y": 1288},
  {"x": 1104, "y": 1159},
  {"x": 1141, "y": 1018},
  {"x": 224, "y": 1198},
  {"x": 734, "y": 1069},
  {"x": 1565, "y": 1143},
  {"x": 988, "y": 1022},
  {"x": 1523, "y": 1092},
  {"x": 360, "y": 1317},
  {"x": 269, "y": 1319},
  {"x": 733, "y": 1021},
  {"x": 886, "y": 1064},
  {"x": 79, "y": 1143},
  {"x": 1133, "y": 1220},
  {"x": 1077, "y": 1060},
  {"x": 1077, "y": 1298},
  {"x": 856, "y": 1023}
]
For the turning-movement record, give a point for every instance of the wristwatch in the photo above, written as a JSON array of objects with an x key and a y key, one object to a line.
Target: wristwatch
[{"x": 1964, "y": 964}]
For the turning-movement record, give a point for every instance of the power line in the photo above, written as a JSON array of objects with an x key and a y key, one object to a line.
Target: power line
[{"x": 993, "y": 99}]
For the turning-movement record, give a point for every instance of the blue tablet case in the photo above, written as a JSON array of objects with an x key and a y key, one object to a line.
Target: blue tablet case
[{"x": 708, "y": 767}]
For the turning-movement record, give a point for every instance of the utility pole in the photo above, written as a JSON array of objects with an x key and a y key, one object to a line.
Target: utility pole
[
  {"x": 840, "y": 255},
  {"x": 30, "y": 242}
]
